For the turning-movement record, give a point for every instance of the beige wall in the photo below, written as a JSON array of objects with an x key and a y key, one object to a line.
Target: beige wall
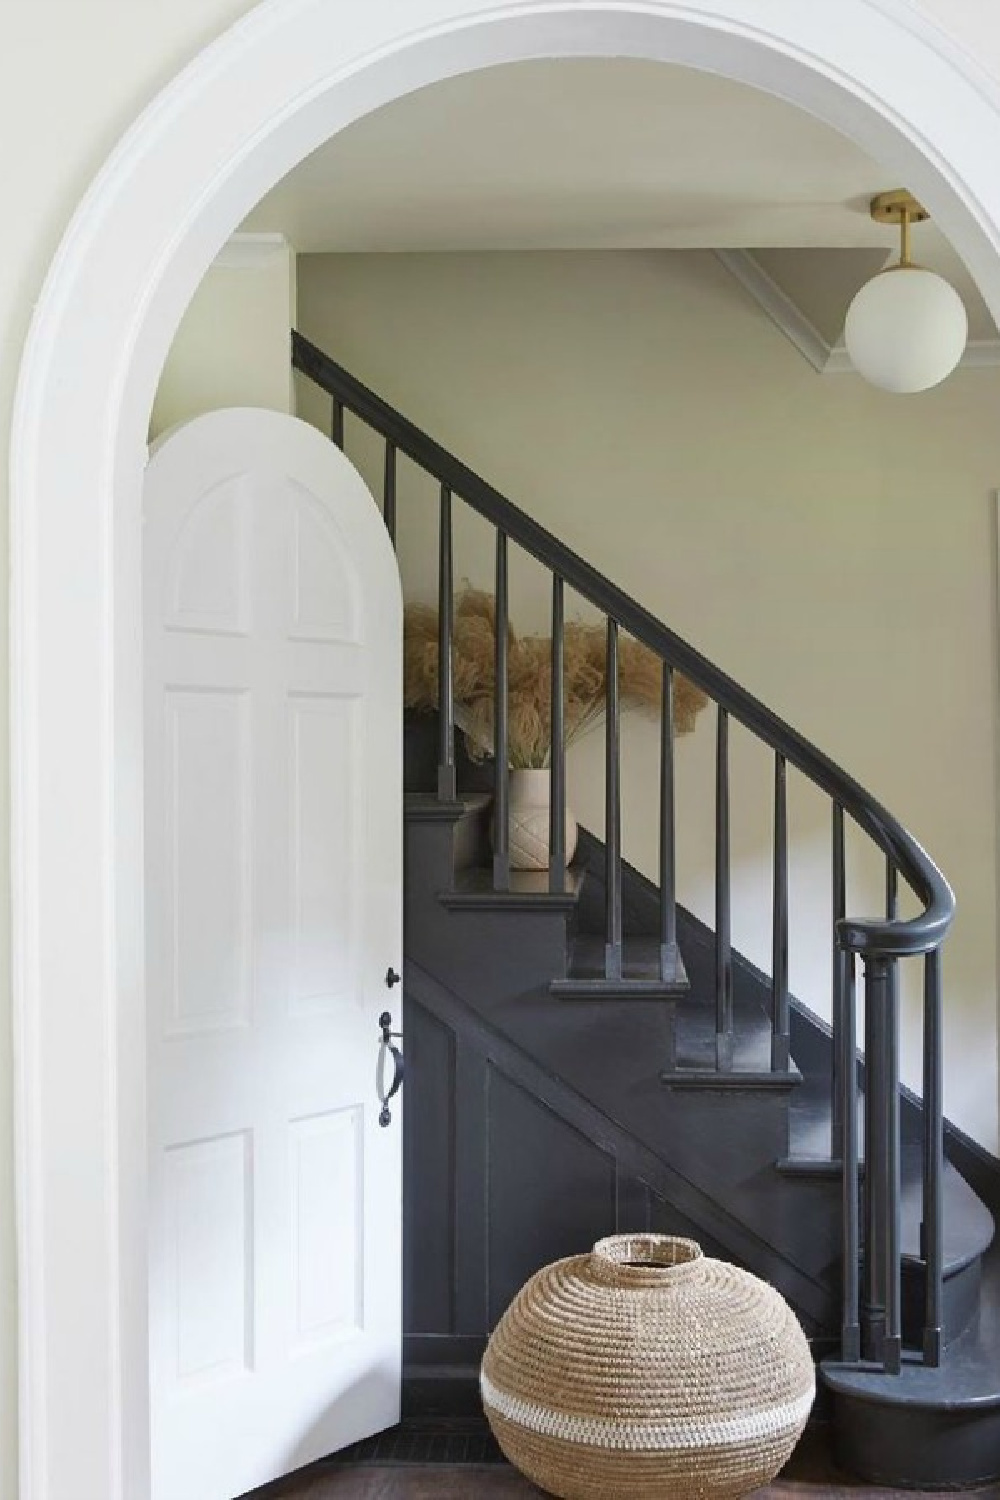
[
  {"x": 232, "y": 347},
  {"x": 809, "y": 534}
]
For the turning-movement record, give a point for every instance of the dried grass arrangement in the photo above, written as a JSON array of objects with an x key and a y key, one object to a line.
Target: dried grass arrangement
[{"x": 529, "y": 679}]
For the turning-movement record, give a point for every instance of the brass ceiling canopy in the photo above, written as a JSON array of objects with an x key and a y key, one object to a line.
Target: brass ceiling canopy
[
  {"x": 892, "y": 208},
  {"x": 899, "y": 207}
]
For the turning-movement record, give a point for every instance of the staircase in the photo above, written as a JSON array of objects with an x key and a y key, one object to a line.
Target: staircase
[{"x": 583, "y": 1055}]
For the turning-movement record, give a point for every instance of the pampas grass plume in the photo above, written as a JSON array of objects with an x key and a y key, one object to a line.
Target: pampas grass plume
[{"x": 529, "y": 677}]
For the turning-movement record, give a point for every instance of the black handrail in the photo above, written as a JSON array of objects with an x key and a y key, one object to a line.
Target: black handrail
[{"x": 886, "y": 938}]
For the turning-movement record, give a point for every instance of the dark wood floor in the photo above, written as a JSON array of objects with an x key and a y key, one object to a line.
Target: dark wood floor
[{"x": 811, "y": 1474}]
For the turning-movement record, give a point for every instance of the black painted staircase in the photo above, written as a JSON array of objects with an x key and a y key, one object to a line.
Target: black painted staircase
[
  {"x": 584, "y": 1056},
  {"x": 536, "y": 1125}
]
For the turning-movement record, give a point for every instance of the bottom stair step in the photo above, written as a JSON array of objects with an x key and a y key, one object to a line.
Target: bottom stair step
[{"x": 926, "y": 1428}]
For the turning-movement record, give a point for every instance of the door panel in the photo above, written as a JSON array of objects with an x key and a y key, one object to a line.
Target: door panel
[{"x": 273, "y": 897}]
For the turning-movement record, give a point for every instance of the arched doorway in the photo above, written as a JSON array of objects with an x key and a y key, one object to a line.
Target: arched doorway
[{"x": 285, "y": 79}]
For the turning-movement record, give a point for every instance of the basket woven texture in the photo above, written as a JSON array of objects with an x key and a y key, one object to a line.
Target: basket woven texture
[{"x": 646, "y": 1369}]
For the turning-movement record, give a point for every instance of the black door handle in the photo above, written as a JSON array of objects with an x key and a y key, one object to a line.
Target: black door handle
[
  {"x": 387, "y": 1049},
  {"x": 391, "y": 977}
]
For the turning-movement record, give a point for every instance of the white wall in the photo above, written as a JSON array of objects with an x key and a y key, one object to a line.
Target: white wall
[
  {"x": 974, "y": 25},
  {"x": 232, "y": 347},
  {"x": 73, "y": 76},
  {"x": 809, "y": 534}
]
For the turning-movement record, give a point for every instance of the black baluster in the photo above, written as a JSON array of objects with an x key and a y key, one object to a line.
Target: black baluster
[
  {"x": 892, "y": 1350},
  {"x": 780, "y": 1019},
  {"x": 723, "y": 942},
  {"x": 837, "y": 1009},
  {"x": 613, "y": 814},
  {"x": 874, "y": 1287},
  {"x": 668, "y": 845},
  {"x": 847, "y": 1072},
  {"x": 501, "y": 803},
  {"x": 337, "y": 423},
  {"x": 557, "y": 747},
  {"x": 447, "y": 790},
  {"x": 389, "y": 492},
  {"x": 932, "y": 1226}
]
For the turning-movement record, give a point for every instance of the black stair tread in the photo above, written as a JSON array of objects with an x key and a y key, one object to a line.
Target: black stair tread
[
  {"x": 474, "y": 889},
  {"x": 968, "y": 1224},
  {"x": 641, "y": 978},
  {"x": 428, "y": 807},
  {"x": 696, "y": 1037}
]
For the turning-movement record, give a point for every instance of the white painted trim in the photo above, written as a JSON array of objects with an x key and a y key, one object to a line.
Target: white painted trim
[
  {"x": 785, "y": 314},
  {"x": 789, "y": 319},
  {"x": 284, "y": 79},
  {"x": 838, "y": 362},
  {"x": 252, "y": 251},
  {"x": 981, "y": 354},
  {"x": 995, "y": 521}
]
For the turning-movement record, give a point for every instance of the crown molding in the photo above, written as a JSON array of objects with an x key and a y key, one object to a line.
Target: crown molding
[
  {"x": 789, "y": 319},
  {"x": 981, "y": 354},
  {"x": 252, "y": 251},
  {"x": 785, "y": 314},
  {"x": 839, "y": 362}
]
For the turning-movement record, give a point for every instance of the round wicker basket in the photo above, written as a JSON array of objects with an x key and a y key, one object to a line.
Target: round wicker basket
[{"x": 645, "y": 1369}]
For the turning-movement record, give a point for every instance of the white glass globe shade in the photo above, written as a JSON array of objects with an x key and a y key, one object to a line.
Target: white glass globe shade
[{"x": 906, "y": 329}]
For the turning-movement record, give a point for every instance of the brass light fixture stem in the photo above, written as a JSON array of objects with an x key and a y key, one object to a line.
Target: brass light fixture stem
[
  {"x": 904, "y": 238},
  {"x": 899, "y": 207}
]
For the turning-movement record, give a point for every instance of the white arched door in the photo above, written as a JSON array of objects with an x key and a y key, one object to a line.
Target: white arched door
[{"x": 273, "y": 797}]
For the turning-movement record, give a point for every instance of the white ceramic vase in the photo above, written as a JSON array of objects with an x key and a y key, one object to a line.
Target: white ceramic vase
[{"x": 529, "y": 821}]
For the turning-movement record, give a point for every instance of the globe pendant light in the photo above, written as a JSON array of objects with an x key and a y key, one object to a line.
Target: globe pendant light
[{"x": 907, "y": 328}]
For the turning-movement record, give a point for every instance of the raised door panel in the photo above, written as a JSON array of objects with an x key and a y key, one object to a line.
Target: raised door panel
[
  {"x": 324, "y": 602},
  {"x": 209, "y": 1266},
  {"x": 326, "y": 1153},
  {"x": 207, "y": 895},
  {"x": 208, "y": 588},
  {"x": 326, "y": 823}
]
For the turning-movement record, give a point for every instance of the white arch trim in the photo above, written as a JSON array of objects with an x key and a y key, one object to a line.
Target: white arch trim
[{"x": 248, "y": 109}]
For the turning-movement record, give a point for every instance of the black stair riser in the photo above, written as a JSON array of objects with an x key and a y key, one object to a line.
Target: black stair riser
[{"x": 916, "y": 1447}]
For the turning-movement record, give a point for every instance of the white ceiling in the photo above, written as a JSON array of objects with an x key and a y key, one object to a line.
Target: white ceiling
[{"x": 581, "y": 154}]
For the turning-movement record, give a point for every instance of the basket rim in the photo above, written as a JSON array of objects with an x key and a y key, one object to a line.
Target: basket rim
[{"x": 646, "y": 1259}]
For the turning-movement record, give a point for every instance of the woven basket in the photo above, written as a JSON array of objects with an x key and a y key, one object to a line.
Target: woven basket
[{"x": 645, "y": 1369}]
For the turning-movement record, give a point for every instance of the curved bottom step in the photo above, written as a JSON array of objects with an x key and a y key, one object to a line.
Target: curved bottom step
[{"x": 925, "y": 1429}]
